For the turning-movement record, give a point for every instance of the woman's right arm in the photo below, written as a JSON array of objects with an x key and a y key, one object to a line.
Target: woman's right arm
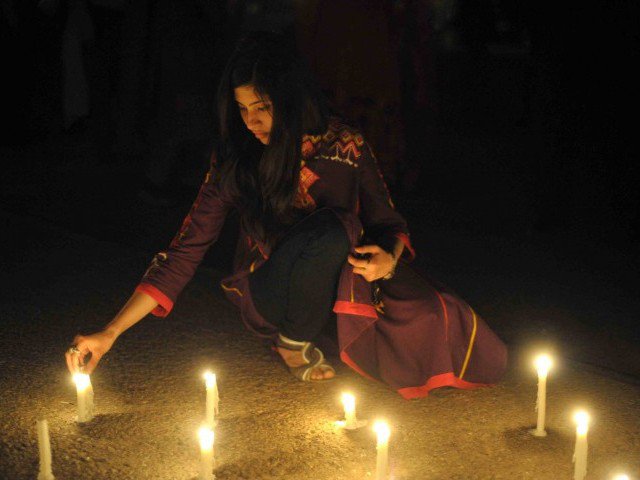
[
  {"x": 165, "y": 278},
  {"x": 139, "y": 306}
]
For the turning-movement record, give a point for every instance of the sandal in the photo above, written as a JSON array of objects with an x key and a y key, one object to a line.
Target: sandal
[{"x": 310, "y": 354}]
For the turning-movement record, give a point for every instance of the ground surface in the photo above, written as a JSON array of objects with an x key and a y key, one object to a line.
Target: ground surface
[{"x": 150, "y": 397}]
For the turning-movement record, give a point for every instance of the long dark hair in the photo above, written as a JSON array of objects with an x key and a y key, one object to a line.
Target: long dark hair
[{"x": 262, "y": 180}]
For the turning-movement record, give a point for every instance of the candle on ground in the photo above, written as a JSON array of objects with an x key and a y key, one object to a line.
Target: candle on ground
[
  {"x": 382, "y": 448},
  {"x": 350, "y": 421},
  {"x": 212, "y": 398},
  {"x": 206, "y": 436},
  {"x": 349, "y": 402},
  {"x": 85, "y": 397},
  {"x": 45, "y": 451},
  {"x": 580, "y": 453},
  {"x": 543, "y": 364}
]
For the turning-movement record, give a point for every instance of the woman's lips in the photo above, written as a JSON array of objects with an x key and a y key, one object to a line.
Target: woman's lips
[{"x": 261, "y": 135}]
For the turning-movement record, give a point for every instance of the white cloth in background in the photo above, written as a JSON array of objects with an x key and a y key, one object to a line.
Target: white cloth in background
[{"x": 78, "y": 30}]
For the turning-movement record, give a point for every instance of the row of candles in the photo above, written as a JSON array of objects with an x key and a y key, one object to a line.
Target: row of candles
[
  {"x": 206, "y": 434},
  {"x": 543, "y": 364}
]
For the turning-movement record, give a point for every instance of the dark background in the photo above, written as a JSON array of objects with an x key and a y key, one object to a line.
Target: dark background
[{"x": 517, "y": 119}]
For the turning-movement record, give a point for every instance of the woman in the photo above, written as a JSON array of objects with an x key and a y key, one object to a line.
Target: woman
[{"x": 320, "y": 242}]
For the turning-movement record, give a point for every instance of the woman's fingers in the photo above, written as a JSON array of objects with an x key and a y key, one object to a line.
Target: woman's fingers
[
  {"x": 68, "y": 356},
  {"x": 378, "y": 263},
  {"x": 368, "y": 249},
  {"x": 364, "y": 269},
  {"x": 76, "y": 354},
  {"x": 74, "y": 361},
  {"x": 358, "y": 262},
  {"x": 92, "y": 363},
  {"x": 72, "y": 356}
]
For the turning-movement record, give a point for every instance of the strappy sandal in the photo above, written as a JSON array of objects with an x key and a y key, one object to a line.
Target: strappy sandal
[{"x": 310, "y": 354}]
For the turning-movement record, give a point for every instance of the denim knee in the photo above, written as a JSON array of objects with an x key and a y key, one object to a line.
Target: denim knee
[{"x": 330, "y": 235}]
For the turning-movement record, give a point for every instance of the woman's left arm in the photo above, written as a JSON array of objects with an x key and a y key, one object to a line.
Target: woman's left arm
[{"x": 385, "y": 229}]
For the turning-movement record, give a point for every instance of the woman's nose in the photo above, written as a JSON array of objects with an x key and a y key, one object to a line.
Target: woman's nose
[{"x": 252, "y": 118}]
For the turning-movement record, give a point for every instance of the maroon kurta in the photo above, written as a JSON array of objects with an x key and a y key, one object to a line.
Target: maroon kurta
[{"x": 419, "y": 337}]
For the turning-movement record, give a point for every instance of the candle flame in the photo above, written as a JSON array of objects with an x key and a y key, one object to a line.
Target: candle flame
[
  {"x": 543, "y": 363},
  {"x": 82, "y": 381},
  {"x": 206, "y": 436},
  {"x": 582, "y": 419},
  {"x": 383, "y": 431},
  {"x": 210, "y": 379},
  {"x": 621, "y": 477},
  {"x": 349, "y": 402}
]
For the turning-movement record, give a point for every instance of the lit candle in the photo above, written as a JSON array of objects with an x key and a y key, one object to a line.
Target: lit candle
[
  {"x": 85, "y": 397},
  {"x": 580, "y": 453},
  {"x": 206, "y": 436},
  {"x": 621, "y": 476},
  {"x": 382, "y": 459},
  {"x": 350, "y": 421},
  {"x": 45, "y": 451},
  {"x": 349, "y": 402},
  {"x": 543, "y": 364},
  {"x": 212, "y": 398}
]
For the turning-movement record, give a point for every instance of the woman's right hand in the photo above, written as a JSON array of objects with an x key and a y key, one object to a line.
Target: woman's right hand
[
  {"x": 87, "y": 350},
  {"x": 96, "y": 344}
]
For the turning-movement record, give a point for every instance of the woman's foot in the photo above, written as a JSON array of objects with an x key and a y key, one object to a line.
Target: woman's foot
[{"x": 294, "y": 358}]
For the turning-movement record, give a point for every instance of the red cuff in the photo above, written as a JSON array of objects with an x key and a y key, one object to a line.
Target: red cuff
[
  {"x": 351, "y": 308},
  {"x": 165, "y": 304},
  {"x": 407, "y": 243}
]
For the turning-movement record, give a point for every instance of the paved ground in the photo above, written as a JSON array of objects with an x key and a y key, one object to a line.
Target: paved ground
[{"x": 75, "y": 249}]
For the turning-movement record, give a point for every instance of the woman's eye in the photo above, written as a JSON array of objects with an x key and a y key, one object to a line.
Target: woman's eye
[{"x": 266, "y": 108}]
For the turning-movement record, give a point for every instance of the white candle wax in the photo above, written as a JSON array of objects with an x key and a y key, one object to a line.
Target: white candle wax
[
  {"x": 350, "y": 421},
  {"x": 382, "y": 448},
  {"x": 212, "y": 398},
  {"x": 44, "y": 447},
  {"x": 543, "y": 364},
  {"x": 349, "y": 403},
  {"x": 206, "y": 436},
  {"x": 85, "y": 397},
  {"x": 580, "y": 453}
]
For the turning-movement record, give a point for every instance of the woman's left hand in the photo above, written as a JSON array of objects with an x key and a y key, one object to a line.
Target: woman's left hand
[{"x": 377, "y": 265}]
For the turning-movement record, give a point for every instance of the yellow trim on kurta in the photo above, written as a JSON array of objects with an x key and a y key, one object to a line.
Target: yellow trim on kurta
[
  {"x": 231, "y": 289},
  {"x": 473, "y": 337}
]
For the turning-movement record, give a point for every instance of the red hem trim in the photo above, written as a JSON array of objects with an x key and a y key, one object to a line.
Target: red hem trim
[
  {"x": 165, "y": 304},
  {"x": 351, "y": 308},
  {"x": 407, "y": 243},
  {"x": 443, "y": 380},
  {"x": 344, "y": 356}
]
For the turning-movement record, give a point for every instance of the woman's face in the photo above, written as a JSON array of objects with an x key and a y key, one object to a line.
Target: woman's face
[{"x": 256, "y": 112}]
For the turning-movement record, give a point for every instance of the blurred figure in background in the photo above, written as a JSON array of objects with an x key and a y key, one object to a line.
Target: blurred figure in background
[
  {"x": 90, "y": 61},
  {"x": 78, "y": 30}
]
